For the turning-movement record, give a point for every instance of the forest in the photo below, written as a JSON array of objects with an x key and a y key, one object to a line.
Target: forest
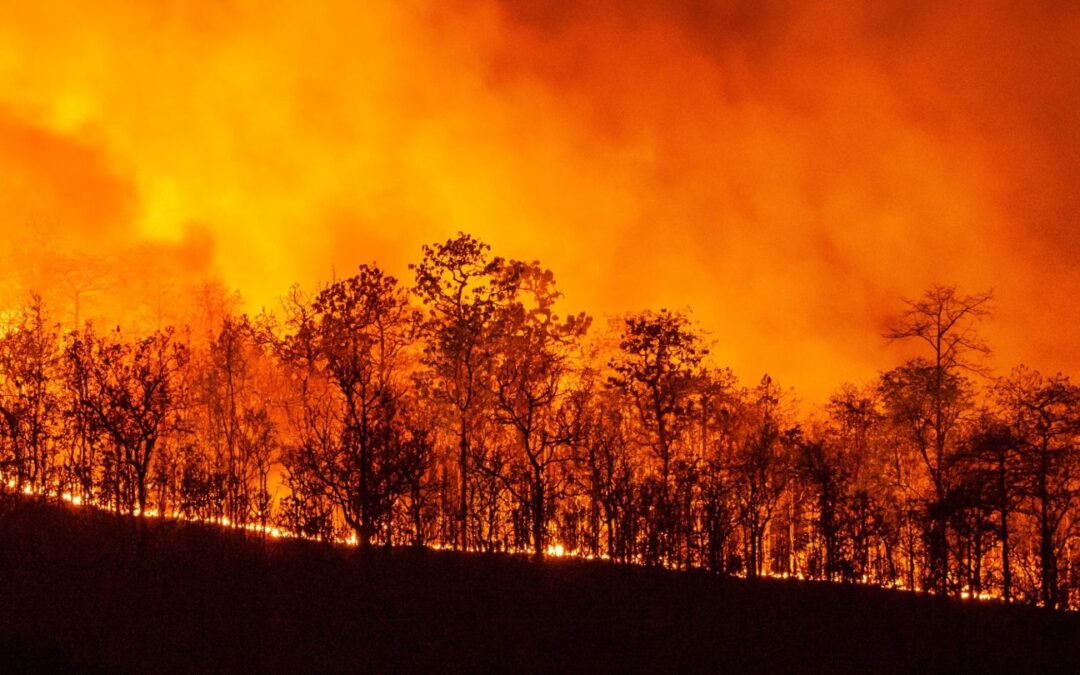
[{"x": 463, "y": 408}]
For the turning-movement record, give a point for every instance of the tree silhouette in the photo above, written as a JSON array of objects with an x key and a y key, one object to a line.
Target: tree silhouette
[
  {"x": 1044, "y": 414},
  {"x": 130, "y": 393},
  {"x": 468, "y": 411},
  {"x": 354, "y": 442},
  {"x": 530, "y": 372},
  {"x": 946, "y": 323},
  {"x": 455, "y": 282},
  {"x": 655, "y": 369},
  {"x": 29, "y": 406}
]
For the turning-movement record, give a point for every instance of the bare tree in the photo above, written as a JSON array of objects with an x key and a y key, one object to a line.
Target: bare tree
[
  {"x": 605, "y": 471},
  {"x": 946, "y": 322}
]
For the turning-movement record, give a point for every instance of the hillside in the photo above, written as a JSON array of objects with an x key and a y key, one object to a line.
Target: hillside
[{"x": 90, "y": 591}]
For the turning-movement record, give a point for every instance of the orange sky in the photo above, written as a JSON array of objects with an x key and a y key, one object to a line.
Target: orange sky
[{"x": 787, "y": 169}]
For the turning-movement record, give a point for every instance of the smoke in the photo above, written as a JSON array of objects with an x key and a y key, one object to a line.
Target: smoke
[{"x": 787, "y": 169}]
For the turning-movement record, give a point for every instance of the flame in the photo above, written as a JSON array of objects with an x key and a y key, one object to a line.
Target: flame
[{"x": 555, "y": 550}]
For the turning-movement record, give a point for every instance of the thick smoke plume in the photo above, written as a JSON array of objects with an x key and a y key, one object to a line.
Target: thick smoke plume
[{"x": 787, "y": 169}]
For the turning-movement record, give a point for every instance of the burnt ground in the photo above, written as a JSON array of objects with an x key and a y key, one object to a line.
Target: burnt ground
[{"x": 88, "y": 591}]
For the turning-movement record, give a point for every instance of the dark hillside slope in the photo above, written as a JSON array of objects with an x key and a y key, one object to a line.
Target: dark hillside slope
[{"x": 90, "y": 591}]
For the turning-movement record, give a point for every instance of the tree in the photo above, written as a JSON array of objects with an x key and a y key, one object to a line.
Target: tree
[
  {"x": 224, "y": 385},
  {"x": 659, "y": 354},
  {"x": 29, "y": 403},
  {"x": 924, "y": 408},
  {"x": 605, "y": 471},
  {"x": 82, "y": 276},
  {"x": 993, "y": 452},
  {"x": 856, "y": 419},
  {"x": 717, "y": 406},
  {"x": 1044, "y": 415},
  {"x": 946, "y": 323},
  {"x": 235, "y": 423},
  {"x": 131, "y": 392},
  {"x": 820, "y": 467},
  {"x": 258, "y": 446},
  {"x": 353, "y": 442},
  {"x": 531, "y": 364},
  {"x": 455, "y": 282},
  {"x": 762, "y": 468}
]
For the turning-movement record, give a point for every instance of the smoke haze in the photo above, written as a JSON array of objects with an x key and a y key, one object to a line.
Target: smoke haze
[{"x": 786, "y": 169}]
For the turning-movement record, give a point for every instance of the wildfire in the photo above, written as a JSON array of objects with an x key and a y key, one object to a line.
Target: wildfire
[
  {"x": 784, "y": 179},
  {"x": 554, "y": 550},
  {"x": 981, "y": 595}
]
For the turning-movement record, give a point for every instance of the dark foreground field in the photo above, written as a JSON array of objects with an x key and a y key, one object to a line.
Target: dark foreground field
[{"x": 87, "y": 591}]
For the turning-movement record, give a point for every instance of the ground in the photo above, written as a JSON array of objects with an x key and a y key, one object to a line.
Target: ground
[{"x": 89, "y": 591}]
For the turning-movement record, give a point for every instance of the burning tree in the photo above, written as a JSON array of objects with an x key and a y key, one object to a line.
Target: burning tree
[
  {"x": 29, "y": 402},
  {"x": 482, "y": 418},
  {"x": 530, "y": 373},
  {"x": 455, "y": 281},
  {"x": 130, "y": 394},
  {"x": 353, "y": 442},
  {"x": 1044, "y": 416},
  {"x": 655, "y": 370},
  {"x": 928, "y": 397}
]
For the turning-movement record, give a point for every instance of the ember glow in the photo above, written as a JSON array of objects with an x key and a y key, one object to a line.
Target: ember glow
[{"x": 790, "y": 171}]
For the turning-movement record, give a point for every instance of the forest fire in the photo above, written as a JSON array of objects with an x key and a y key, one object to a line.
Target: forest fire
[
  {"x": 555, "y": 550},
  {"x": 764, "y": 290},
  {"x": 466, "y": 412}
]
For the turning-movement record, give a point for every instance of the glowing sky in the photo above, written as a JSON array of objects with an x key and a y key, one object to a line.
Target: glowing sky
[{"x": 788, "y": 169}]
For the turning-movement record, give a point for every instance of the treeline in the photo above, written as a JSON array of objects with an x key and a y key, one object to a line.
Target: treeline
[{"x": 461, "y": 409}]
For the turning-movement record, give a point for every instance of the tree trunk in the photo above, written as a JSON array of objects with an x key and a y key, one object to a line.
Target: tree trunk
[
  {"x": 538, "y": 515},
  {"x": 463, "y": 464},
  {"x": 1006, "y": 573}
]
